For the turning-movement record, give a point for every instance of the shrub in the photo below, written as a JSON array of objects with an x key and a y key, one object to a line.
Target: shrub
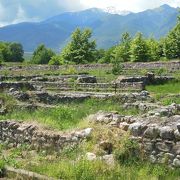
[
  {"x": 117, "y": 68},
  {"x": 127, "y": 154}
]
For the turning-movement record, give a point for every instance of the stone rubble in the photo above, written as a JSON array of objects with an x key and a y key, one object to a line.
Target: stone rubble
[{"x": 157, "y": 135}]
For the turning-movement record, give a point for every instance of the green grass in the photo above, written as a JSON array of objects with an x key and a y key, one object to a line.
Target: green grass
[
  {"x": 71, "y": 165},
  {"x": 67, "y": 116},
  {"x": 106, "y": 75},
  {"x": 166, "y": 93},
  {"x": 7, "y": 100},
  {"x": 168, "y": 88},
  {"x": 85, "y": 170}
]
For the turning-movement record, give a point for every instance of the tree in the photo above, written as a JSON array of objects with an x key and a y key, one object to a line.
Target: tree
[
  {"x": 154, "y": 50},
  {"x": 11, "y": 52},
  {"x": 42, "y": 55},
  {"x": 80, "y": 49},
  {"x": 108, "y": 56},
  {"x": 15, "y": 53},
  {"x": 139, "y": 49},
  {"x": 171, "y": 46},
  {"x": 99, "y": 54},
  {"x": 122, "y": 51},
  {"x": 56, "y": 60}
]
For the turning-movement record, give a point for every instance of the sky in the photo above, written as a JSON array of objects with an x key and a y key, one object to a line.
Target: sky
[{"x": 16, "y": 11}]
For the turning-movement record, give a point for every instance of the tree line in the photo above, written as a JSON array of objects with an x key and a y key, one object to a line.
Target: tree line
[
  {"x": 11, "y": 52},
  {"x": 82, "y": 49}
]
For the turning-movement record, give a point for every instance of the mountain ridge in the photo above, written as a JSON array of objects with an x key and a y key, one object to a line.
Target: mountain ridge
[{"x": 54, "y": 32}]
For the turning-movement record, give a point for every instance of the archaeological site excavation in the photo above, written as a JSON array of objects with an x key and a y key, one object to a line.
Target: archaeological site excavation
[
  {"x": 53, "y": 123},
  {"x": 89, "y": 90}
]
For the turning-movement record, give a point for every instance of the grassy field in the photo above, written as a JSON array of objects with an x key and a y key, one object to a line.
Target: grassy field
[
  {"x": 67, "y": 115},
  {"x": 166, "y": 93}
]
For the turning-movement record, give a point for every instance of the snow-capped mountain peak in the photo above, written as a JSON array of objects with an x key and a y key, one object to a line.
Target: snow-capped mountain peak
[{"x": 113, "y": 10}]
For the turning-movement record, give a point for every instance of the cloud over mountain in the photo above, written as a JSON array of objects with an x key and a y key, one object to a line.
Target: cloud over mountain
[{"x": 14, "y": 11}]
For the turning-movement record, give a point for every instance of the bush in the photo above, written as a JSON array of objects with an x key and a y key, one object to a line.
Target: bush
[
  {"x": 56, "y": 60},
  {"x": 127, "y": 154},
  {"x": 42, "y": 55},
  {"x": 117, "y": 68}
]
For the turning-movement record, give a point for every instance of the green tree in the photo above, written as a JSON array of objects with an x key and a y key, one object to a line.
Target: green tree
[
  {"x": 171, "y": 47},
  {"x": 122, "y": 52},
  {"x": 42, "y": 55},
  {"x": 99, "y": 54},
  {"x": 139, "y": 49},
  {"x": 11, "y": 52},
  {"x": 14, "y": 53},
  {"x": 56, "y": 60},
  {"x": 108, "y": 56},
  {"x": 154, "y": 50},
  {"x": 80, "y": 49}
]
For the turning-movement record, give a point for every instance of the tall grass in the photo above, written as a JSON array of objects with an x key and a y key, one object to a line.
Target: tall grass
[
  {"x": 166, "y": 93},
  {"x": 67, "y": 116},
  {"x": 168, "y": 88}
]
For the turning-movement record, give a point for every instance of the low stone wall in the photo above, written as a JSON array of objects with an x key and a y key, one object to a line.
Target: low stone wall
[
  {"x": 115, "y": 87},
  {"x": 56, "y": 98},
  {"x": 49, "y": 98},
  {"x": 17, "y": 133},
  {"x": 16, "y": 85},
  {"x": 171, "y": 65},
  {"x": 50, "y": 78},
  {"x": 146, "y": 80}
]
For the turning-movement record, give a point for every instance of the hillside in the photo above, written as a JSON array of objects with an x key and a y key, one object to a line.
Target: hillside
[{"x": 107, "y": 28}]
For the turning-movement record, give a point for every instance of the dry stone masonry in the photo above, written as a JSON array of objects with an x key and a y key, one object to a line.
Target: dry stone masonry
[
  {"x": 17, "y": 133},
  {"x": 158, "y": 133}
]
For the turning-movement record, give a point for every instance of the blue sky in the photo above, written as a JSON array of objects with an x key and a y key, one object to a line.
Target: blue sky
[{"x": 15, "y": 11}]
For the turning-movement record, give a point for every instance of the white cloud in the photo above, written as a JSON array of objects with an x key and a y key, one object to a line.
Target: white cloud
[
  {"x": 14, "y": 11},
  {"x": 132, "y": 5}
]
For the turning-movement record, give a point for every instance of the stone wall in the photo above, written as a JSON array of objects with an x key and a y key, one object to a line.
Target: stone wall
[
  {"x": 17, "y": 133},
  {"x": 124, "y": 86},
  {"x": 158, "y": 134},
  {"x": 16, "y": 85},
  {"x": 171, "y": 65},
  {"x": 146, "y": 80}
]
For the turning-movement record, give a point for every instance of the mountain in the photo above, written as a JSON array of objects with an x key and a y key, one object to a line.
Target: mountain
[
  {"x": 113, "y": 10},
  {"x": 107, "y": 28}
]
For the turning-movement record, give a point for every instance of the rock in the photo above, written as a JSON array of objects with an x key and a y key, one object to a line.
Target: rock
[
  {"x": 152, "y": 132},
  {"x": 84, "y": 133},
  {"x": 124, "y": 126},
  {"x": 87, "y": 132},
  {"x": 144, "y": 93},
  {"x": 163, "y": 147},
  {"x": 167, "y": 132},
  {"x": 87, "y": 79},
  {"x": 177, "y": 135},
  {"x": 109, "y": 159},
  {"x": 176, "y": 163},
  {"x": 136, "y": 129},
  {"x": 169, "y": 156},
  {"x": 152, "y": 159},
  {"x": 104, "y": 117},
  {"x": 12, "y": 90},
  {"x": 176, "y": 149},
  {"x": 178, "y": 127},
  {"x": 148, "y": 146},
  {"x": 90, "y": 156}
]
